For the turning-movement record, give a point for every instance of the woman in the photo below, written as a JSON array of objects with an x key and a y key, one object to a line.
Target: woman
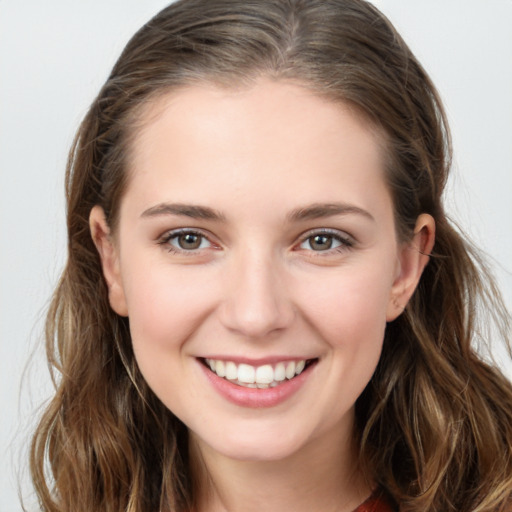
[{"x": 264, "y": 304}]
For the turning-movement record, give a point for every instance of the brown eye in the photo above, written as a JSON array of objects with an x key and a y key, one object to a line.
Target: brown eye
[
  {"x": 320, "y": 242},
  {"x": 189, "y": 241},
  {"x": 186, "y": 241},
  {"x": 324, "y": 241}
]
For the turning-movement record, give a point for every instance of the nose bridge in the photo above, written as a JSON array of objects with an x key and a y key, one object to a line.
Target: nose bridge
[{"x": 256, "y": 302}]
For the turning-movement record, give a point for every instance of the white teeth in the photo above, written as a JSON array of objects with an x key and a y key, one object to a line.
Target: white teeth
[
  {"x": 262, "y": 377},
  {"x": 246, "y": 373},
  {"x": 220, "y": 368},
  {"x": 290, "y": 370},
  {"x": 231, "y": 371},
  {"x": 299, "y": 367},
  {"x": 279, "y": 372},
  {"x": 264, "y": 374}
]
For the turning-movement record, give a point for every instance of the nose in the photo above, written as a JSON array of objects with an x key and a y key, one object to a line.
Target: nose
[{"x": 257, "y": 303}]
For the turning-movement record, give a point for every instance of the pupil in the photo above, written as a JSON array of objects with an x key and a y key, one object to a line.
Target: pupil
[
  {"x": 189, "y": 241},
  {"x": 321, "y": 242}
]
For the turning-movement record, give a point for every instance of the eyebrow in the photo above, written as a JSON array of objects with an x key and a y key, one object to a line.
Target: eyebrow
[
  {"x": 184, "y": 210},
  {"x": 310, "y": 212},
  {"x": 320, "y": 210}
]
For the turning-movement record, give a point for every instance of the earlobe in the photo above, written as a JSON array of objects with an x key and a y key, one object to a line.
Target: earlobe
[
  {"x": 109, "y": 256},
  {"x": 414, "y": 257}
]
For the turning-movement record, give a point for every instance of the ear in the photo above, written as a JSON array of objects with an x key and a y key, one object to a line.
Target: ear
[
  {"x": 413, "y": 258},
  {"x": 109, "y": 256}
]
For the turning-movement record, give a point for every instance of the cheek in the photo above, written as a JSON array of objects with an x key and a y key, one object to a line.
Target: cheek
[
  {"x": 346, "y": 305},
  {"x": 165, "y": 308},
  {"x": 356, "y": 333},
  {"x": 348, "y": 312}
]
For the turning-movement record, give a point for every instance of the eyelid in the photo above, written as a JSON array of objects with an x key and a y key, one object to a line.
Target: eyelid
[
  {"x": 174, "y": 233},
  {"x": 347, "y": 241}
]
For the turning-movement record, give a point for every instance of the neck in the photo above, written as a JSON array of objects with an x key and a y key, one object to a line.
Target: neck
[{"x": 322, "y": 476}]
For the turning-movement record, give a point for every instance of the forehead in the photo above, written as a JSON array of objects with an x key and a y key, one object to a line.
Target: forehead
[
  {"x": 263, "y": 102},
  {"x": 194, "y": 138}
]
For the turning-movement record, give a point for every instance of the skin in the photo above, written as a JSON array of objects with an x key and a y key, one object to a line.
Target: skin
[{"x": 256, "y": 287}]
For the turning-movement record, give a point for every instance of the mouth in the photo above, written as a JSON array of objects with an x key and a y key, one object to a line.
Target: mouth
[{"x": 262, "y": 377}]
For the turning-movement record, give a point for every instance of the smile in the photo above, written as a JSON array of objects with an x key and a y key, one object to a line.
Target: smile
[{"x": 262, "y": 377}]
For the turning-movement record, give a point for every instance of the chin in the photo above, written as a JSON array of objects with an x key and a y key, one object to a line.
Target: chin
[{"x": 255, "y": 446}]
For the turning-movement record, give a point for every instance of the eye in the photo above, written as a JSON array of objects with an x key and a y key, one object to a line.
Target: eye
[
  {"x": 185, "y": 241},
  {"x": 325, "y": 241},
  {"x": 320, "y": 243}
]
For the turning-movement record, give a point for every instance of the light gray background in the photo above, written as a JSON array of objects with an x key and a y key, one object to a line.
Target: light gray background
[{"x": 54, "y": 56}]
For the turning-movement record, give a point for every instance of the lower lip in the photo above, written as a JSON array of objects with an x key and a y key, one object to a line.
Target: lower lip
[{"x": 254, "y": 397}]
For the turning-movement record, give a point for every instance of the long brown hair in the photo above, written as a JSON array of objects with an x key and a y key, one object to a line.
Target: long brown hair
[{"x": 435, "y": 422}]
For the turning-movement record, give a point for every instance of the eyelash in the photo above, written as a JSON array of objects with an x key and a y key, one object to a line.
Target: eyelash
[
  {"x": 345, "y": 242},
  {"x": 173, "y": 235}
]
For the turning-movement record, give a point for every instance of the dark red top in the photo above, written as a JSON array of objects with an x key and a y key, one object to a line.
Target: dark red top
[{"x": 377, "y": 502}]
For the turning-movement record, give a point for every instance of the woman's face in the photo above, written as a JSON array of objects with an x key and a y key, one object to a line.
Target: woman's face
[{"x": 257, "y": 261}]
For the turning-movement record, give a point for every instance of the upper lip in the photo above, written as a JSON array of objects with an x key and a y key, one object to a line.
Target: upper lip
[{"x": 260, "y": 361}]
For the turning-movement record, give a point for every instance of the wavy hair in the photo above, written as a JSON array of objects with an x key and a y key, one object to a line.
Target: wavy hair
[{"x": 434, "y": 424}]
